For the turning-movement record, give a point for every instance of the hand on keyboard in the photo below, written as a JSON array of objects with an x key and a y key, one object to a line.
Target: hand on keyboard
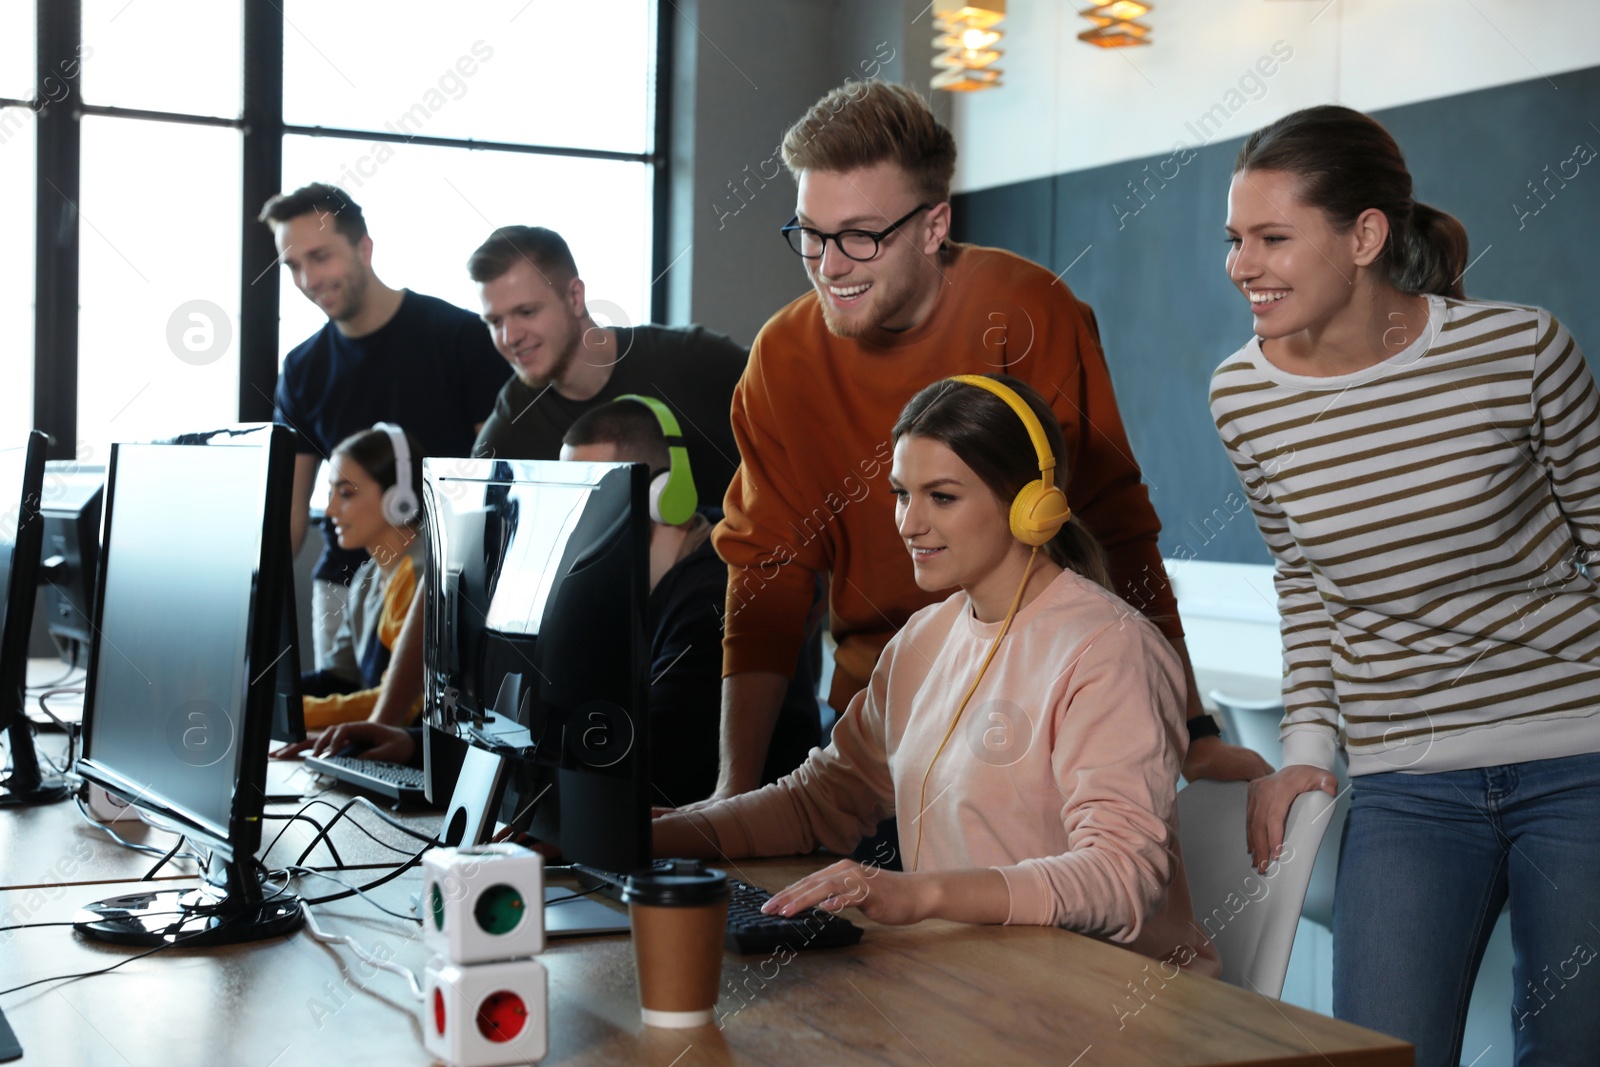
[
  {"x": 372, "y": 741},
  {"x": 751, "y": 930}
]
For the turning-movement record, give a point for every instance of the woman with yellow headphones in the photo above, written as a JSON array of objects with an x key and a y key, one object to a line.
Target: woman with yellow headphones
[{"x": 1027, "y": 731}]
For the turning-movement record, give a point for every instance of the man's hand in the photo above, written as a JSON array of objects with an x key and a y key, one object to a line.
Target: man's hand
[
  {"x": 1268, "y": 809},
  {"x": 750, "y": 706},
  {"x": 673, "y": 836},
  {"x": 1212, "y": 757}
]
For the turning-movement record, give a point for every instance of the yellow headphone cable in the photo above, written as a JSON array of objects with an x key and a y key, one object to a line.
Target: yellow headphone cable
[{"x": 922, "y": 801}]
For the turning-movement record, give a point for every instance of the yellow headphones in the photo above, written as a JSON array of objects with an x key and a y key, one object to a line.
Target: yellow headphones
[{"x": 1040, "y": 508}]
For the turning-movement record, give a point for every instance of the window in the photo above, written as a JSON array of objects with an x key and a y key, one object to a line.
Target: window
[
  {"x": 177, "y": 55},
  {"x": 16, "y": 269},
  {"x": 17, "y": 139},
  {"x": 428, "y": 208},
  {"x": 441, "y": 120},
  {"x": 523, "y": 71},
  {"x": 158, "y": 280}
]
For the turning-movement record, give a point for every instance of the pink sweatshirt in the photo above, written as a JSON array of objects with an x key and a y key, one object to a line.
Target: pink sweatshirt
[{"x": 1061, "y": 775}]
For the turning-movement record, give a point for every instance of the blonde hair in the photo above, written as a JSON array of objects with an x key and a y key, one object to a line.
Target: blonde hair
[{"x": 860, "y": 124}]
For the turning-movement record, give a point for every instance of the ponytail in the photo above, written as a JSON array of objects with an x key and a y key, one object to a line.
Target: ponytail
[
  {"x": 1076, "y": 549},
  {"x": 1428, "y": 254}
]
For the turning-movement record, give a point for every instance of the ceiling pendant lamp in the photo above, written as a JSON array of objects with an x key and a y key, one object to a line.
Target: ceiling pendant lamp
[
  {"x": 1114, "y": 25},
  {"x": 966, "y": 40}
]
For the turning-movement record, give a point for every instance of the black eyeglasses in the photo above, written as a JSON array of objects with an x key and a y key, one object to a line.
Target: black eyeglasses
[{"x": 859, "y": 245}]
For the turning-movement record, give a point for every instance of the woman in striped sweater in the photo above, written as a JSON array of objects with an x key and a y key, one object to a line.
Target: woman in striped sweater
[{"x": 1424, "y": 469}]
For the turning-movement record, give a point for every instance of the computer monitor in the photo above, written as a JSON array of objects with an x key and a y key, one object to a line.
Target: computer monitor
[
  {"x": 182, "y": 665},
  {"x": 536, "y": 649},
  {"x": 21, "y": 529},
  {"x": 70, "y": 504}
]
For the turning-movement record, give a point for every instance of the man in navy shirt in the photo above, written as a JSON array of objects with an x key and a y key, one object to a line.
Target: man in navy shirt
[{"x": 385, "y": 355}]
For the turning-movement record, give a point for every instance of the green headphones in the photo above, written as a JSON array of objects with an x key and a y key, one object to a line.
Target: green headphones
[{"x": 672, "y": 495}]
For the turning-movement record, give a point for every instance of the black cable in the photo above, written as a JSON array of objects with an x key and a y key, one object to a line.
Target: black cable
[
  {"x": 391, "y": 876},
  {"x": 68, "y": 728},
  {"x": 103, "y": 970},
  {"x": 432, "y": 842},
  {"x": 162, "y": 862},
  {"x": 329, "y": 804},
  {"x": 72, "y": 730},
  {"x": 594, "y": 872},
  {"x": 196, "y": 910},
  {"x": 33, "y": 731},
  {"x": 338, "y": 861},
  {"x": 140, "y": 955},
  {"x": 29, "y": 926},
  {"x": 573, "y": 896},
  {"x": 392, "y": 821},
  {"x": 358, "y": 891}
]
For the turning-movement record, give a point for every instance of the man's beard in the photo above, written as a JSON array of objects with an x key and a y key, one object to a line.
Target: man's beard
[
  {"x": 886, "y": 299},
  {"x": 558, "y": 371},
  {"x": 355, "y": 298}
]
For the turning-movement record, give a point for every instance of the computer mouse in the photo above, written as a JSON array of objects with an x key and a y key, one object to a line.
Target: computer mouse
[{"x": 353, "y": 750}]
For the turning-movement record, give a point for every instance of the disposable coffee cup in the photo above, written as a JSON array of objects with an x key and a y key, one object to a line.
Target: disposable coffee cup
[{"x": 679, "y": 913}]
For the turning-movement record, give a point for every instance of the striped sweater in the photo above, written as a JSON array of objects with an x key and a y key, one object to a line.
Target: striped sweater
[{"x": 1431, "y": 518}]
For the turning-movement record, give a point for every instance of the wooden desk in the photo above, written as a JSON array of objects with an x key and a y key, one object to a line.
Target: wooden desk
[{"x": 938, "y": 993}]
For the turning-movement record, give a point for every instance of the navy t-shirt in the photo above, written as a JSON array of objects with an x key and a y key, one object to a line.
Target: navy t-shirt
[{"x": 432, "y": 369}]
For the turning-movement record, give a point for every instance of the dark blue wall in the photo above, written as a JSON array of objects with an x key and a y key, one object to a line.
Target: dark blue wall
[{"x": 1168, "y": 314}]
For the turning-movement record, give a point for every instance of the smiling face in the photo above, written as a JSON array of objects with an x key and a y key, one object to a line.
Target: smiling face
[
  {"x": 355, "y": 504},
  {"x": 536, "y": 325},
  {"x": 897, "y": 288},
  {"x": 1297, "y": 271},
  {"x": 333, "y": 273},
  {"x": 957, "y": 530}
]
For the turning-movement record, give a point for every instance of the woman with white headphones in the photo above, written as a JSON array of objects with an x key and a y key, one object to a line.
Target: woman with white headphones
[
  {"x": 375, "y": 487},
  {"x": 1027, "y": 731}
]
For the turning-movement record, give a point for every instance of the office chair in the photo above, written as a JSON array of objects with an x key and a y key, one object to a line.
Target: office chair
[{"x": 1250, "y": 917}]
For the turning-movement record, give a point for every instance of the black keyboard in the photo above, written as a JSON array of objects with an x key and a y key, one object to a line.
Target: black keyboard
[
  {"x": 393, "y": 780},
  {"x": 749, "y": 931}
]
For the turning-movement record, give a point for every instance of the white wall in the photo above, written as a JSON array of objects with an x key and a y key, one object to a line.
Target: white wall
[
  {"x": 1066, "y": 105},
  {"x": 744, "y": 72}
]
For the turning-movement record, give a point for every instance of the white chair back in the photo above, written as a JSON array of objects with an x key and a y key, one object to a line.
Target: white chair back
[{"x": 1250, "y": 917}]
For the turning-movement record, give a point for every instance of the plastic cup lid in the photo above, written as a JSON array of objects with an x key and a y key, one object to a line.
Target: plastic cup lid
[{"x": 676, "y": 884}]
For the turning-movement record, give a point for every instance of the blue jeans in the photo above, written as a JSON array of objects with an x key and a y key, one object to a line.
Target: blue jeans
[{"x": 1427, "y": 864}]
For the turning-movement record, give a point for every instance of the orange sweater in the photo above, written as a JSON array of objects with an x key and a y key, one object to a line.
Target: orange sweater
[{"x": 812, "y": 416}]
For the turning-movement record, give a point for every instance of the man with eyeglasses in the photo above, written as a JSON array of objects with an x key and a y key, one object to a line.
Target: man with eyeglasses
[{"x": 895, "y": 306}]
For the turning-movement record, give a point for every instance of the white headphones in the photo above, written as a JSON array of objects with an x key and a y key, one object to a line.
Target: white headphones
[{"x": 399, "y": 500}]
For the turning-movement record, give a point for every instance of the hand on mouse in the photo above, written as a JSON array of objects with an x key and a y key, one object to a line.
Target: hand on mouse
[
  {"x": 294, "y": 749},
  {"x": 374, "y": 740}
]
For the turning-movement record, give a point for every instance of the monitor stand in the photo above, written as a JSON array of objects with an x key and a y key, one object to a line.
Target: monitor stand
[
  {"x": 26, "y": 786},
  {"x": 227, "y": 907}
]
